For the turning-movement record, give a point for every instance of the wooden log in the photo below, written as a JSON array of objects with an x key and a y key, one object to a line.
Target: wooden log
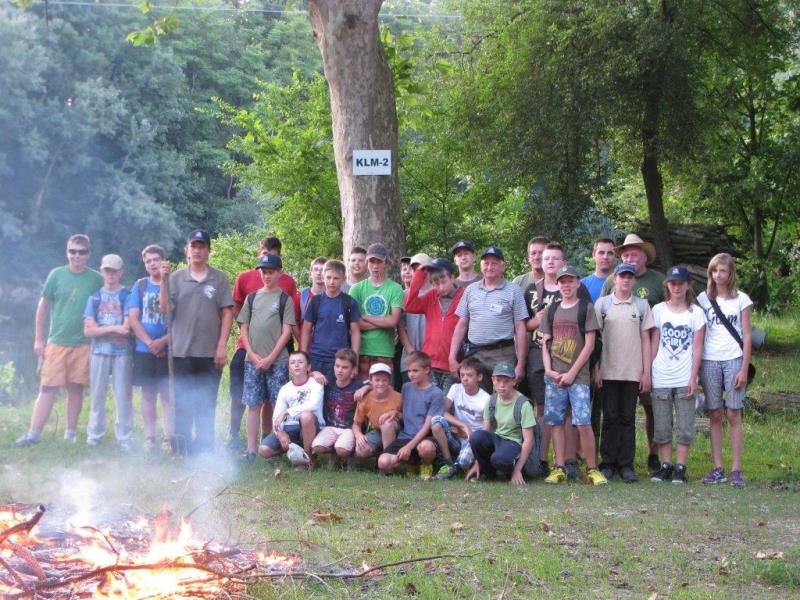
[{"x": 780, "y": 401}]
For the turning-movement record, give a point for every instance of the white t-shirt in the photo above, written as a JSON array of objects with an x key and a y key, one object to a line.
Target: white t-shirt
[
  {"x": 719, "y": 343},
  {"x": 672, "y": 365},
  {"x": 297, "y": 399},
  {"x": 468, "y": 409}
]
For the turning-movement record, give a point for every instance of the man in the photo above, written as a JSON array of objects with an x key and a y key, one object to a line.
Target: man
[
  {"x": 536, "y": 246},
  {"x": 603, "y": 255},
  {"x": 649, "y": 286},
  {"x": 356, "y": 268},
  {"x": 65, "y": 355},
  {"x": 463, "y": 254},
  {"x": 247, "y": 282},
  {"x": 492, "y": 317},
  {"x": 201, "y": 305}
]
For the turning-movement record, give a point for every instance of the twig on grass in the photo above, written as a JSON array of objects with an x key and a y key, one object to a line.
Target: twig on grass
[{"x": 204, "y": 502}]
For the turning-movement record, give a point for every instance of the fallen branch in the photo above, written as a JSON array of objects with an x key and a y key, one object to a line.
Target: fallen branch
[
  {"x": 24, "y": 526},
  {"x": 14, "y": 574},
  {"x": 204, "y": 502}
]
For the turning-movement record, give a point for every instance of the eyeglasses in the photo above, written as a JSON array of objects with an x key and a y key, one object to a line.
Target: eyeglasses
[{"x": 80, "y": 251}]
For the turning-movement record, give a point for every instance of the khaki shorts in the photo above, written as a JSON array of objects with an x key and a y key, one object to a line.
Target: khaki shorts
[
  {"x": 335, "y": 437},
  {"x": 65, "y": 364}
]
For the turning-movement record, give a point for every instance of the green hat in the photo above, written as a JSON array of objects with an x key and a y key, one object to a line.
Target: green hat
[
  {"x": 504, "y": 369},
  {"x": 567, "y": 271}
]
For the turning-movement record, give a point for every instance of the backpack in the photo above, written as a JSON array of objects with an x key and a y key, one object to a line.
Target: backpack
[
  {"x": 638, "y": 303},
  {"x": 96, "y": 299},
  {"x": 533, "y": 465},
  {"x": 312, "y": 310},
  {"x": 284, "y": 298},
  {"x": 583, "y": 308}
]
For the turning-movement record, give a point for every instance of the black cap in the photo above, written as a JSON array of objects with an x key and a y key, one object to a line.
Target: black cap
[
  {"x": 441, "y": 263},
  {"x": 270, "y": 261},
  {"x": 198, "y": 235},
  {"x": 677, "y": 274},
  {"x": 493, "y": 251},
  {"x": 462, "y": 245}
]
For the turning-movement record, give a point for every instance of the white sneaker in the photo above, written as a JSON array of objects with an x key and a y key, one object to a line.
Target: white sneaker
[
  {"x": 94, "y": 441},
  {"x": 70, "y": 436}
]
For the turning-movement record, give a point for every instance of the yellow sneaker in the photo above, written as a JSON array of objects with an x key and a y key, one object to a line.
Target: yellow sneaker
[
  {"x": 425, "y": 472},
  {"x": 596, "y": 477},
  {"x": 557, "y": 475}
]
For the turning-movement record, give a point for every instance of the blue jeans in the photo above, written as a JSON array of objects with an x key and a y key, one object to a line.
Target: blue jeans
[{"x": 494, "y": 454}]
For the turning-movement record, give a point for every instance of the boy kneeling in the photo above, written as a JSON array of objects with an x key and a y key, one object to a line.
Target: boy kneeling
[{"x": 508, "y": 437}]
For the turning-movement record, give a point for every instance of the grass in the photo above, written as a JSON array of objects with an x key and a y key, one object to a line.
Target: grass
[{"x": 644, "y": 540}]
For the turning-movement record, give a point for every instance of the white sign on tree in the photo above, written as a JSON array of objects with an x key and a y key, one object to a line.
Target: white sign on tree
[{"x": 372, "y": 162}]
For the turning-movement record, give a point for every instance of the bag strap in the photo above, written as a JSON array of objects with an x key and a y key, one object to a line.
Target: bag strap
[
  {"x": 518, "y": 403},
  {"x": 724, "y": 320},
  {"x": 492, "y": 406},
  {"x": 142, "y": 285}
]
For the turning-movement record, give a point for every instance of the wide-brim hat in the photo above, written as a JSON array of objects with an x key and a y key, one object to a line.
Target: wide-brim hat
[{"x": 634, "y": 240}]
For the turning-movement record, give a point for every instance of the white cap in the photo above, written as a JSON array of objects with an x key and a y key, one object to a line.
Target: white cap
[
  {"x": 111, "y": 261},
  {"x": 380, "y": 368}
]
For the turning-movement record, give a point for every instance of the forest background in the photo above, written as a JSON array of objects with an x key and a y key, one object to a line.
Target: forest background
[{"x": 564, "y": 119}]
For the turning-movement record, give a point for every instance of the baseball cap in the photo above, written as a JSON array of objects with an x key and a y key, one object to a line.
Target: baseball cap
[
  {"x": 406, "y": 260},
  {"x": 567, "y": 271},
  {"x": 504, "y": 369},
  {"x": 270, "y": 261},
  {"x": 198, "y": 235},
  {"x": 111, "y": 261},
  {"x": 441, "y": 263},
  {"x": 625, "y": 268},
  {"x": 462, "y": 245},
  {"x": 380, "y": 368},
  {"x": 677, "y": 274},
  {"x": 377, "y": 251},
  {"x": 421, "y": 259},
  {"x": 493, "y": 251}
]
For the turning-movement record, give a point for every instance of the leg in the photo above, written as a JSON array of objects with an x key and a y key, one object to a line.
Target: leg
[
  {"x": 100, "y": 371},
  {"x": 570, "y": 438},
  {"x": 308, "y": 425},
  {"x": 77, "y": 376},
  {"x": 662, "y": 420},
  {"x": 427, "y": 452},
  {"x": 558, "y": 444},
  {"x": 43, "y": 407},
  {"x": 387, "y": 463},
  {"x": 628, "y": 391},
  {"x": 121, "y": 380},
  {"x": 586, "y": 436},
  {"x": 345, "y": 443},
  {"x": 737, "y": 437},
  {"x": 388, "y": 432},
  {"x": 149, "y": 409},
  {"x": 684, "y": 417},
  {"x": 483, "y": 446},
  {"x": 236, "y": 373},
  {"x": 253, "y": 426},
  {"x": 438, "y": 425},
  {"x": 555, "y": 410},
  {"x": 609, "y": 395},
  {"x": 183, "y": 405},
  {"x": 74, "y": 404},
  {"x": 207, "y": 377},
  {"x": 504, "y": 456},
  {"x": 324, "y": 441},
  {"x": 715, "y": 426}
]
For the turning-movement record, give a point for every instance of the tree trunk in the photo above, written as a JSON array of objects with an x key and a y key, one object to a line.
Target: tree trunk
[{"x": 364, "y": 117}]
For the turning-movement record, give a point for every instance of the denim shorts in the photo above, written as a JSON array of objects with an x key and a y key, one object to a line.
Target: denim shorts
[
  {"x": 556, "y": 399},
  {"x": 260, "y": 386},
  {"x": 293, "y": 430},
  {"x": 453, "y": 443}
]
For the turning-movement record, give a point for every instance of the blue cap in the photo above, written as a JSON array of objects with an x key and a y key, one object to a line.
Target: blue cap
[
  {"x": 462, "y": 245},
  {"x": 677, "y": 274},
  {"x": 198, "y": 235},
  {"x": 441, "y": 263},
  {"x": 625, "y": 268},
  {"x": 493, "y": 251},
  {"x": 270, "y": 261},
  {"x": 504, "y": 369}
]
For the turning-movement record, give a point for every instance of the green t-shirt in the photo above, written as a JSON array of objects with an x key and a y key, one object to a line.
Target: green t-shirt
[
  {"x": 504, "y": 415},
  {"x": 377, "y": 302},
  {"x": 265, "y": 323},
  {"x": 67, "y": 293},
  {"x": 648, "y": 286}
]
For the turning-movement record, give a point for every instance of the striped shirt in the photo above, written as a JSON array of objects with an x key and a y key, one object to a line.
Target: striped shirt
[{"x": 493, "y": 312}]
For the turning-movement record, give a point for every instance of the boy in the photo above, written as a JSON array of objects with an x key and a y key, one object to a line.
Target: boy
[
  {"x": 150, "y": 354},
  {"x": 266, "y": 320},
  {"x": 357, "y": 267},
  {"x": 508, "y": 435},
  {"x": 421, "y": 402},
  {"x": 380, "y": 410},
  {"x": 463, "y": 414},
  {"x": 411, "y": 329},
  {"x": 106, "y": 324},
  {"x": 463, "y": 253},
  {"x": 568, "y": 332},
  {"x": 330, "y": 322},
  {"x": 298, "y": 411},
  {"x": 339, "y": 408},
  {"x": 317, "y": 273}
]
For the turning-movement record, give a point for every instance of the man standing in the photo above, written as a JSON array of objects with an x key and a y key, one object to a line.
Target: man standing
[
  {"x": 603, "y": 255},
  {"x": 536, "y": 246},
  {"x": 202, "y": 312},
  {"x": 463, "y": 254},
  {"x": 649, "y": 286},
  {"x": 65, "y": 355},
  {"x": 492, "y": 317}
]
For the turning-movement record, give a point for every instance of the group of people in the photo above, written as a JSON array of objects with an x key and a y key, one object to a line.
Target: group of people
[{"x": 450, "y": 370}]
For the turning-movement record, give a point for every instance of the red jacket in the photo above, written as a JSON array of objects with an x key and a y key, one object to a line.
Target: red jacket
[{"x": 438, "y": 328}]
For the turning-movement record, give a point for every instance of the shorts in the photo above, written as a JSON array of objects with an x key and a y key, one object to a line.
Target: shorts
[
  {"x": 557, "y": 398},
  {"x": 718, "y": 376},
  {"x": 395, "y": 446},
  {"x": 375, "y": 440},
  {"x": 453, "y": 443},
  {"x": 535, "y": 375},
  {"x": 293, "y": 430},
  {"x": 149, "y": 370},
  {"x": 663, "y": 398},
  {"x": 65, "y": 364},
  {"x": 335, "y": 437},
  {"x": 236, "y": 372},
  {"x": 365, "y": 362},
  {"x": 263, "y": 385}
]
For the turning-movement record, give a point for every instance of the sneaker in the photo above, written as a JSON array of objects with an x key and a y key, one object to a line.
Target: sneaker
[
  {"x": 607, "y": 472},
  {"x": 425, "y": 472},
  {"x": 736, "y": 479},
  {"x": 166, "y": 445},
  {"x": 628, "y": 475},
  {"x": 715, "y": 475},
  {"x": 596, "y": 477},
  {"x": 70, "y": 436},
  {"x": 663, "y": 474},
  {"x": 126, "y": 445},
  {"x": 25, "y": 441},
  {"x": 446, "y": 471},
  {"x": 149, "y": 445},
  {"x": 572, "y": 469},
  {"x": 679, "y": 475},
  {"x": 94, "y": 441},
  {"x": 248, "y": 457},
  {"x": 653, "y": 463},
  {"x": 557, "y": 475}
]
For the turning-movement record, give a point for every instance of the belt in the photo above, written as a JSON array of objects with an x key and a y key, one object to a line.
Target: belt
[{"x": 494, "y": 346}]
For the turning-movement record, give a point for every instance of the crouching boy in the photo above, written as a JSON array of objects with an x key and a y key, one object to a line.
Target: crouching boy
[
  {"x": 508, "y": 444},
  {"x": 339, "y": 407},
  {"x": 298, "y": 411},
  {"x": 380, "y": 411}
]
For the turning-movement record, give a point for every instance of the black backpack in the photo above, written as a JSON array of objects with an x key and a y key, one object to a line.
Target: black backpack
[{"x": 312, "y": 310}]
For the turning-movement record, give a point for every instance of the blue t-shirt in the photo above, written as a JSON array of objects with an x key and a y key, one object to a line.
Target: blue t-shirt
[
  {"x": 594, "y": 284},
  {"x": 150, "y": 315},
  {"x": 417, "y": 405},
  {"x": 339, "y": 406},
  {"x": 330, "y": 329},
  {"x": 109, "y": 310}
]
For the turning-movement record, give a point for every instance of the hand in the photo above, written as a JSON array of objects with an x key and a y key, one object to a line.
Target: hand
[
  {"x": 741, "y": 378},
  {"x": 566, "y": 379},
  {"x": 454, "y": 364},
  {"x": 320, "y": 378},
  {"x": 474, "y": 472},
  {"x": 361, "y": 442},
  {"x": 361, "y": 392},
  {"x": 283, "y": 438},
  {"x": 598, "y": 380},
  {"x": 254, "y": 358},
  {"x": 467, "y": 431},
  {"x": 221, "y": 358},
  {"x": 516, "y": 478},
  {"x": 644, "y": 383},
  {"x": 519, "y": 372},
  {"x": 265, "y": 363},
  {"x": 404, "y": 453},
  {"x": 692, "y": 386},
  {"x": 38, "y": 348},
  {"x": 166, "y": 269}
]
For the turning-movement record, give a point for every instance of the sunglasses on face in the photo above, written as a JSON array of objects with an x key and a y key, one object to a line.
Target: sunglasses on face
[{"x": 80, "y": 251}]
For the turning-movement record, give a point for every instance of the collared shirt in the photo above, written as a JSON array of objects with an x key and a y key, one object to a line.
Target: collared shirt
[{"x": 492, "y": 312}]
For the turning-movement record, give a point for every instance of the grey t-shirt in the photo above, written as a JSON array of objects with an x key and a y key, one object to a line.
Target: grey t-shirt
[
  {"x": 196, "y": 309},
  {"x": 417, "y": 405},
  {"x": 265, "y": 323}
]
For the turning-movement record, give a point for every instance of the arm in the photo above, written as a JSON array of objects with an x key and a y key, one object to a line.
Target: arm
[
  {"x": 548, "y": 366},
  {"x": 405, "y": 452},
  {"x": 535, "y": 321},
  {"x": 42, "y": 313},
  {"x": 645, "y": 383},
  {"x": 747, "y": 350},
  {"x": 245, "y": 337},
  {"x": 588, "y": 346},
  {"x": 92, "y": 329},
  {"x": 414, "y": 302},
  {"x": 163, "y": 294},
  {"x": 404, "y": 339},
  {"x": 355, "y": 337},
  {"x": 459, "y": 333},
  {"x": 527, "y": 446},
  {"x": 521, "y": 345},
  {"x": 387, "y": 322},
  {"x": 697, "y": 358},
  {"x": 305, "y": 336},
  {"x": 655, "y": 339},
  {"x": 221, "y": 355}
]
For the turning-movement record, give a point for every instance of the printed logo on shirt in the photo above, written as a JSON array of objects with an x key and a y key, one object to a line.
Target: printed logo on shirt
[
  {"x": 643, "y": 293},
  {"x": 208, "y": 291},
  {"x": 376, "y": 306},
  {"x": 675, "y": 339},
  {"x": 713, "y": 319},
  {"x": 565, "y": 336},
  {"x": 340, "y": 318}
]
